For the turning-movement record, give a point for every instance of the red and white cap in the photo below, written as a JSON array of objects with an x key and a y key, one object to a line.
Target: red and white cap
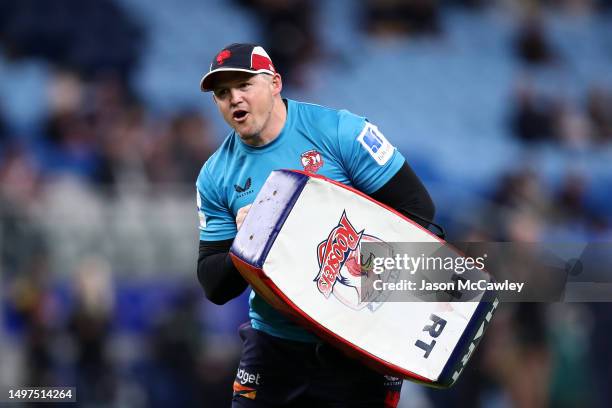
[{"x": 238, "y": 57}]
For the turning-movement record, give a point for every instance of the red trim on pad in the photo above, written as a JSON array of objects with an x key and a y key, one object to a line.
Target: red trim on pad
[
  {"x": 359, "y": 193},
  {"x": 273, "y": 295}
]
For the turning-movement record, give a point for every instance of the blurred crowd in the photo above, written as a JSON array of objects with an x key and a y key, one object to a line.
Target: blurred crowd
[
  {"x": 541, "y": 117},
  {"x": 71, "y": 337},
  {"x": 99, "y": 133},
  {"x": 553, "y": 116}
]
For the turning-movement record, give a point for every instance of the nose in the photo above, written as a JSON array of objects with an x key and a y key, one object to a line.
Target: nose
[{"x": 235, "y": 96}]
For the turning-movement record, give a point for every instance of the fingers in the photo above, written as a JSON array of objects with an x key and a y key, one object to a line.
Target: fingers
[{"x": 242, "y": 213}]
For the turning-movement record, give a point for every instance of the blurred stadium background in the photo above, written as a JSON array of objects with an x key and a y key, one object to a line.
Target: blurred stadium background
[{"x": 504, "y": 108}]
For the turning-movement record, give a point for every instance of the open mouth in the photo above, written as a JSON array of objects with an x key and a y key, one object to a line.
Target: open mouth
[{"x": 240, "y": 115}]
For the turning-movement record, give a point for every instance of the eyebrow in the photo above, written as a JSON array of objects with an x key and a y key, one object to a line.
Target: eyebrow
[
  {"x": 238, "y": 80},
  {"x": 231, "y": 84}
]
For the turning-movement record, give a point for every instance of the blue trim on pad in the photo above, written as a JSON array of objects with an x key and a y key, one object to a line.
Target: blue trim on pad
[{"x": 454, "y": 362}]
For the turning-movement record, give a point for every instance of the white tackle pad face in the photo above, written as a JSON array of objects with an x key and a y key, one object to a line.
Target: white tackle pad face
[{"x": 327, "y": 219}]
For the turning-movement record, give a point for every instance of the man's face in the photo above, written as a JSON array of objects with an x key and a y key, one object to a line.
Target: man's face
[{"x": 246, "y": 102}]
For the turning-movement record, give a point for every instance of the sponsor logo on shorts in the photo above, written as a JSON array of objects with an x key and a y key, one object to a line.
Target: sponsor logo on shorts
[
  {"x": 243, "y": 391},
  {"x": 312, "y": 161},
  {"x": 245, "y": 382},
  {"x": 391, "y": 381},
  {"x": 245, "y": 378}
]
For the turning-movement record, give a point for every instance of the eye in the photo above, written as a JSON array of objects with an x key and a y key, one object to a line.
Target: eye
[
  {"x": 245, "y": 85},
  {"x": 220, "y": 93}
]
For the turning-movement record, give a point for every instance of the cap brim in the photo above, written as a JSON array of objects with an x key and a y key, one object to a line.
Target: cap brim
[{"x": 207, "y": 80}]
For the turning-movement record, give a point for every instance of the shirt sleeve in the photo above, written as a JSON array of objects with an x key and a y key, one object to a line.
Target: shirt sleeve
[
  {"x": 216, "y": 220},
  {"x": 369, "y": 158}
]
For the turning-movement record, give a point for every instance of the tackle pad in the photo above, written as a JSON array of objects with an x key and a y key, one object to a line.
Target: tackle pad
[{"x": 301, "y": 249}]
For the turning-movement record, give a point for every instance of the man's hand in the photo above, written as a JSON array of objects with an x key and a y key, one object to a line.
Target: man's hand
[{"x": 242, "y": 213}]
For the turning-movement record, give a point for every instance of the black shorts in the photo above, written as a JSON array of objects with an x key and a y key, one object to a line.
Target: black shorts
[{"x": 275, "y": 372}]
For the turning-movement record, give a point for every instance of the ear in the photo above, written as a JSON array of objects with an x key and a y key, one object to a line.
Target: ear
[{"x": 277, "y": 84}]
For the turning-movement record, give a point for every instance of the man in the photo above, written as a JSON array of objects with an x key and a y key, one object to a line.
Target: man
[{"x": 282, "y": 364}]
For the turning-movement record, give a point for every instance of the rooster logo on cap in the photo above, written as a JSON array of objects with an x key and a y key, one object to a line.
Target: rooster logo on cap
[{"x": 222, "y": 56}]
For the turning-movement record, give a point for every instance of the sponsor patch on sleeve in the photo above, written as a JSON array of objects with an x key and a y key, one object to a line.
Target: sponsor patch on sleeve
[
  {"x": 201, "y": 215},
  {"x": 376, "y": 144}
]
